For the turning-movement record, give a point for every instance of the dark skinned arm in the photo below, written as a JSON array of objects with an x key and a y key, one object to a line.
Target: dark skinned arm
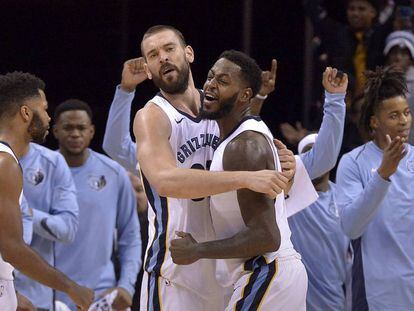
[
  {"x": 12, "y": 247},
  {"x": 248, "y": 151}
]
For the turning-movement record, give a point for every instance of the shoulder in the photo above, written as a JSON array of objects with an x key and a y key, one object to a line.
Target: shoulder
[
  {"x": 8, "y": 167},
  {"x": 107, "y": 162},
  {"x": 49, "y": 157},
  {"x": 151, "y": 115},
  {"x": 249, "y": 150}
]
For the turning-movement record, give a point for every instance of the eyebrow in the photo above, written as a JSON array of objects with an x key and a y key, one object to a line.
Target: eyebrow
[{"x": 165, "y": 45}]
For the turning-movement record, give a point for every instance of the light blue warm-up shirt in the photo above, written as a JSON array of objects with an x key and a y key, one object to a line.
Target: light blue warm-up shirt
[
  {"x": 27, "y": 221},
  {"x": 379, "y": 216},
  {"x": 117, "y": 141},
  {"x": 107, "y": 209},
  {"x": 316, "y": 231},
  {"x": 50, "y": 192}
]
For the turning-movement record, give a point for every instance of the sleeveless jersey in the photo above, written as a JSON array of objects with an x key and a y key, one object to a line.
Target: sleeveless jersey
[
  {"x": 193, "y": 142},
  {"x": 6, "y": 269},
  {"x": 226, "y": 215}
]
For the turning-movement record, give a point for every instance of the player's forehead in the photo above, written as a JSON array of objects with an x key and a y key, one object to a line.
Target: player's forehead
[
  {"x": 159, "y": 39},
  {"x": 225, "y": 67},
  {"x": 74, "y": 117}
]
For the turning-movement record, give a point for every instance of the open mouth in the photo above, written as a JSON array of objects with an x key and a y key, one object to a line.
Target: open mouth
[{"x": 167, "y": 69}]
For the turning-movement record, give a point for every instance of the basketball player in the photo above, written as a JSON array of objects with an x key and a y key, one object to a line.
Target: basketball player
[
  {"x": 23, "y": 118},
  {"x": 171, "y": 138},
  {"x": 252, "y": 230}
]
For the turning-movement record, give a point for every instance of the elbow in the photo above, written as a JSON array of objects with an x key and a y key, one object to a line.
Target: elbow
[
  {"x": 11, "y": 253},
  {"x": 272, "y": 241},
  {"x": 349, "y": 230}
]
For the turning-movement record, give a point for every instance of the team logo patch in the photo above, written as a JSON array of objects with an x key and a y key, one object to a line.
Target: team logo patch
[
  {"x": 410, "y": 166},
  {"x": 97, "y": 182},
  {"x": 35, "y": 176}
]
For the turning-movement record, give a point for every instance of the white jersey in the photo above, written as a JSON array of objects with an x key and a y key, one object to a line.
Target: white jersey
[
  {"x": 6, "y": 269},
  {"x": 226, "y": 215},
  {"x": 193, "y": 142}
]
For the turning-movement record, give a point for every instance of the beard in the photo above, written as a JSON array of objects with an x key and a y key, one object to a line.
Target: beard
[
  {"x": 225, "y": 108},
  {"x": 177, "y": 87},
  {"x": 37, "y": 130}
]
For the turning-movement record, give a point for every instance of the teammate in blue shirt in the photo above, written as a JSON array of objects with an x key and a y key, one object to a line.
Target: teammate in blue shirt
[
  {"x": 376, "y": 198},
  {"x": 51, "y": 195},
  {"x": 318, "y": 237},
  {"x": 107, "y": 206}
]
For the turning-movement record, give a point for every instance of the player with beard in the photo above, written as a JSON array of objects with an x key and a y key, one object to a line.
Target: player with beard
[
  {"x": 253, "y": 236},
  {"x": 172, "y": 139},
  {"x": 23, "y": 118},
  {"x": 51, "y": 194}
]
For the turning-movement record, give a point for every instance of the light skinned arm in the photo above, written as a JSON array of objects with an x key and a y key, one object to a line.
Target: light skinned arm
[
  {"x": 15, "y": 251},
  {"x": 152, "y": 130},
  {"x": 251, "y": 151}
]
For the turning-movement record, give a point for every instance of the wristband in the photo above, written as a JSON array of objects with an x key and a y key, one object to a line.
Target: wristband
[{"x": 261, "y": 97}]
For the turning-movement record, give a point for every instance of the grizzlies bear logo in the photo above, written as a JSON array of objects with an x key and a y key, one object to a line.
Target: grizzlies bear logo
[{"x": 97, "y": 182}]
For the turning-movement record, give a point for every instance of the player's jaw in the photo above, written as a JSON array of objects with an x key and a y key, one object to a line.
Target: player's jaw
[{"x": 38, "y": 130}]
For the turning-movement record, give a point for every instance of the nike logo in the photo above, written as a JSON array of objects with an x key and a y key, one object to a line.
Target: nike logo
[{"x": 178, "y": 122}]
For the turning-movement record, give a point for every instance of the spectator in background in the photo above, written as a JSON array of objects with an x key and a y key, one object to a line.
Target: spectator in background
[
  {"x": 51, "y": 195},
  {"x": 107, "y": 206},
  {"x": 355, "y": 47},
  {"x": 375, "y": 198}
]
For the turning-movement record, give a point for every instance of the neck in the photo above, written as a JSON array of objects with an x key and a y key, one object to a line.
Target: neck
[
  {"x": 189, "y": 101},
  {"x": 13, "y": 137},
  {"x": 380, "y": 141},
  {"x": 75, "y": 160},
  {"x": 229, "y": 122},
  {"x": 322, "y": 186}
]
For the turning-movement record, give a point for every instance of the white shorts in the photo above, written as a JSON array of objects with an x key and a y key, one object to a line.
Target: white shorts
[
  {"x": 158, "y": 293},
  {"x": 8, "y": 300},
  {"x": 279, "y": 285}
]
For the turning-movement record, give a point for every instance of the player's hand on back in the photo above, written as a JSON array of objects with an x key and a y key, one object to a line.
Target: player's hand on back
[
  {"x": 81, "y": 296},
  {"x": 286, "y": 158},
  {"x": 269, "y": 182},
  {"x": 183, "y": 250},
  {"x": 133, "y": 74},
  {"x": 334, "y": 80}
]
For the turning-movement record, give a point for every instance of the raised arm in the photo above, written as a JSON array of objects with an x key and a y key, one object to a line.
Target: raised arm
[
  {"x": 152, "y": 130},
  {"x": 61, "y": 223},
  {"x": 117, "y": 141},
  {"x": 324, "y": 153},
  {"x": 15, "y": 251},
  {"x": 358, "y": 203},
  {"x": 250, "y": 151},
  {"x": 267, "y": 87}
]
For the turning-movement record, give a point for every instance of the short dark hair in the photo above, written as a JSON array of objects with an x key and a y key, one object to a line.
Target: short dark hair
[
  {"x": 381, "y": 84},
  {"x": 72, "y": 104},
  {"x": 250, "y": 70},
  {"x": 158, "y": 28},
  {"x": 374, "y": 3},
  {"x": 15, "y": 88}
]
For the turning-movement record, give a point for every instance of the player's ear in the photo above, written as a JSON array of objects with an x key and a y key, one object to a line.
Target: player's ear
[
  {"x": 26, "y": 113},
  {"x": 149, "y": 75},
  {"x": 373, "y": 122},
  {"x": 246, "y": 95},
  {"x": 92, "y": 131},
  {"x": 189, "y": 54}
]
